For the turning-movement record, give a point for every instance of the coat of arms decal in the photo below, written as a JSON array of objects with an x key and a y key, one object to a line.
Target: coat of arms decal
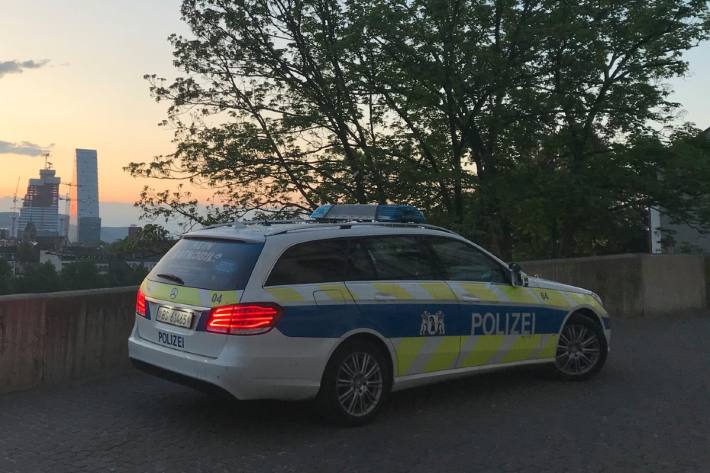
[{"x": 432, "y": 324}]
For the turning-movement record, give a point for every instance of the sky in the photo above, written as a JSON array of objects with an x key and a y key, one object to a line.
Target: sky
[
  {"x": 71, "y": 76},
  {"x": 84, "y": 89}
]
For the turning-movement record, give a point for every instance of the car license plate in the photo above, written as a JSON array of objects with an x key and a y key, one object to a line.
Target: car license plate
[{"x": 170, "y": 316}]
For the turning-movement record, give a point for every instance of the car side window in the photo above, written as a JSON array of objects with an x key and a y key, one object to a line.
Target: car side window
[
  {"x": 361, "y": 266},
  {"x": 313, "y": 262},
  {"x": 463, "y": 262},
  {"x": 400, "y": 258}
]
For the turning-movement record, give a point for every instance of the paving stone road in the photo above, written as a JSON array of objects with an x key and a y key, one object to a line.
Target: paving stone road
[{"x": 648, "y": 411}]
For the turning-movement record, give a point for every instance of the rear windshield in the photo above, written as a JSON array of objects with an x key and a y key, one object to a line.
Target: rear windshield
[{"x": 217, "y": 265}]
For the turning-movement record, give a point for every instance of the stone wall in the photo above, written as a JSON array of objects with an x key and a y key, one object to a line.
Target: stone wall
[
  {"x": 634, "y": 285},
  {"x": 51, "y": 338},
  {"x": 47, "y": 338}
]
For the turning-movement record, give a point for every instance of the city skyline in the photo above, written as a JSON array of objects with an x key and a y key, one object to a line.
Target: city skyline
[{"x": 60, "y": 92}]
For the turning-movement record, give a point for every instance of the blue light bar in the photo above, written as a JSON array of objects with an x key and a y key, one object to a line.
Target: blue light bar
[
  {"x": 321, "y": 211},
  {"x": 399, "y": 213},
  {"x": 368, "y": 213}
]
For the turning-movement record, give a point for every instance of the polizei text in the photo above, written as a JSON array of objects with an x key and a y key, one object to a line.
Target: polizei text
[{"x": 506, "y": 323}]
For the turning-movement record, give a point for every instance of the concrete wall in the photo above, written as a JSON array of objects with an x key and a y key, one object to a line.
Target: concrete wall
[
  {"x": 48, "y": 338},
  {"x": 673, "y": 283},
  {"x": 635, "y": 285}
]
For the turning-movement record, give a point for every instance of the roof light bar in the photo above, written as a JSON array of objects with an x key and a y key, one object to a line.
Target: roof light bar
[{"x": 368, "y": 213}]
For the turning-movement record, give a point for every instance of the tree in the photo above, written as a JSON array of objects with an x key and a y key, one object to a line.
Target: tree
[
  {"x": 479, "y": 112},
  {"x": 27, "y": 252},
  {"x": 604, "y": 80},
  {"x": 80, "y": 275},
  {"x": 462, "y": 78},
  {"x": 38, "y": 277},
  {"x": 622, "y": 183},
  {"x": 122, "y": 274},
  {"x": 296, "y": 134},
  {"x": 6, "y": 277},
  {"x": 527, "y": 87},
  {"x": 151, "y": 241}
]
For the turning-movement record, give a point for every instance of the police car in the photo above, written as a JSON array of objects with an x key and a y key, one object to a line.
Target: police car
[{"x": 349, "y": 306}]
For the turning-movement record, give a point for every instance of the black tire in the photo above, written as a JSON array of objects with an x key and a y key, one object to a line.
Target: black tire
[
  {"x": 581, "y": 350},
  {"x": 347, "y": 396}
]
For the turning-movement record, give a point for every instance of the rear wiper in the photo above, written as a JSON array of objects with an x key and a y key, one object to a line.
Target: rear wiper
[{"x": 171, "y": 277}]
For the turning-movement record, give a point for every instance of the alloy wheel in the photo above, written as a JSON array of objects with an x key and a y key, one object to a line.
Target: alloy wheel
[
  {"x": 359, "y": 384},
  {"x": 578, "y": 350}
]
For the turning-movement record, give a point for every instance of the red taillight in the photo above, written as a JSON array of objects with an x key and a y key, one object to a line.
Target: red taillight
[
  {"x": 140, "y": 303},
  {"x": 243, "y": 319}
]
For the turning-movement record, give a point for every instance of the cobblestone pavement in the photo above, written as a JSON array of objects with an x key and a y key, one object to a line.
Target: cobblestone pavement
[{"x": 647, "y": 411}]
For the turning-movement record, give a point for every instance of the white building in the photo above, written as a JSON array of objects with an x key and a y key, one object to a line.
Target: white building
[
  {"x": 85, "y": 220},
  {"x": 668, "y": 236},
  {"x": 61, "y": 260}
]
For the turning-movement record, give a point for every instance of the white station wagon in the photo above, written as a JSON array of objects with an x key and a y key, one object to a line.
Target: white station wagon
[{"x": 343, "y": 309}]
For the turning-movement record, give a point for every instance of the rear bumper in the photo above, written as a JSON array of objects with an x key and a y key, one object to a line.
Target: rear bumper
[
  {"x": 178, "y": 378},
  {"x": 267, "y": 366}
]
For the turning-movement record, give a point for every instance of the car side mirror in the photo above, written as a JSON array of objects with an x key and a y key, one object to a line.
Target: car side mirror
[{"x": 517, "y": 276}]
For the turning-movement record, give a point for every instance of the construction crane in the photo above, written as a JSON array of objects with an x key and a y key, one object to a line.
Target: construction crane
[
  {"x": 69, "y": 184},
  {"x": 14, "y": 210},
  {"x": 47, "y": 163},
  {"x": 67, "y": 210},
  {"x": 67, "y": 197}
]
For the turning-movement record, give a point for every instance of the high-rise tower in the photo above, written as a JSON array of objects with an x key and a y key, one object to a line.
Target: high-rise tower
[
  {"x": 85, "y": 199},
  {"x": 40, "y": 208}
]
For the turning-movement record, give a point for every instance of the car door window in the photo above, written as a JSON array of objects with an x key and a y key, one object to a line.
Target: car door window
[
  {"x": 310, "y": 263},
  {"x": 403, "y": 258},
  {"x": 361, "y": 267},
  {"x": 462, "y": 262}
]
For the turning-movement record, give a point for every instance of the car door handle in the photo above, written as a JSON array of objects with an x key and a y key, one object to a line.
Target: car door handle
[
  {"x": 471, "y": 298},
  {"x": 385, "y": 297}
]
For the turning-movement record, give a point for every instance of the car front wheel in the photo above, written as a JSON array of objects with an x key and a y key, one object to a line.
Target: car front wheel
[{"x": 581, "y": 349}]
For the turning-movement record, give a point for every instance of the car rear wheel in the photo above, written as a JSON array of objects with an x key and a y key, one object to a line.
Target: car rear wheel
[
  {"x": 581, "y": 349},
  {"x": 355, "y": 384}
]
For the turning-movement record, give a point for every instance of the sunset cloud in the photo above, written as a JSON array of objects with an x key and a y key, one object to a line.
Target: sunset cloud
[
  {"x": 23, "y": 147},
  {"x": 16, "y": 67}
]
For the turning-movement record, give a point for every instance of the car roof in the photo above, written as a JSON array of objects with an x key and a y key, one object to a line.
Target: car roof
[
  {"x": 293, "y": 232},
  {"x": 260, "y": 232}
]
